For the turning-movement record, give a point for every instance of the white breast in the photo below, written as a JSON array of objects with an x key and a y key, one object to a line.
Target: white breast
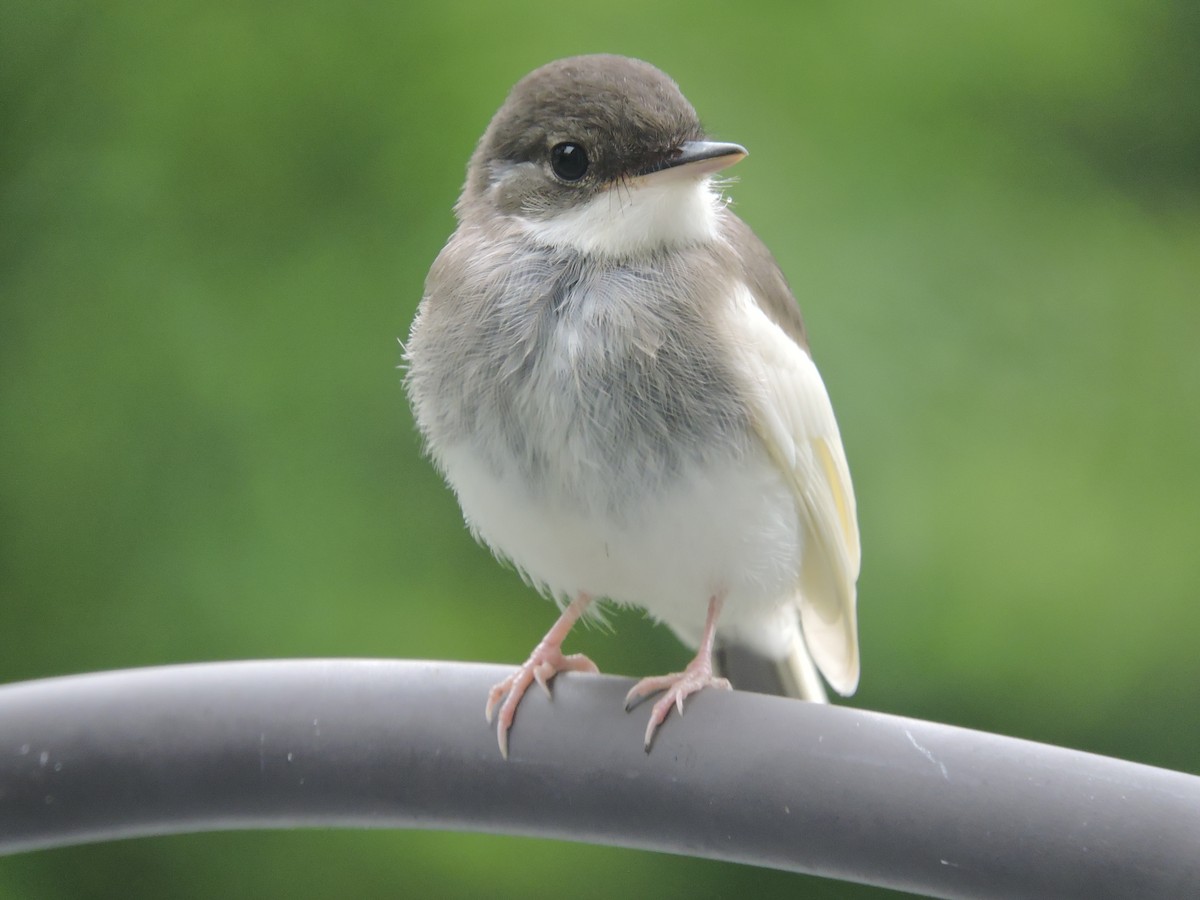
[{"x": 730, "y": 528}]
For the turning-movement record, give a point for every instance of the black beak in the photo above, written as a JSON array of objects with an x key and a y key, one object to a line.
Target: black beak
[{"x": 701, "y": 157}]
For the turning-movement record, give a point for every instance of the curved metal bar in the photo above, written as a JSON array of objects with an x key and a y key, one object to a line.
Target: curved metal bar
[{"x": 833, "y": 791}]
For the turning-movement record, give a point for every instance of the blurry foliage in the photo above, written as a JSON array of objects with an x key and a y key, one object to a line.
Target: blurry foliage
[{"x": 215, "y": 220}]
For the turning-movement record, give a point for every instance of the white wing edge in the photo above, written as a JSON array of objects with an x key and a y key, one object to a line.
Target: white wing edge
[{"x": 794, "y": 418}]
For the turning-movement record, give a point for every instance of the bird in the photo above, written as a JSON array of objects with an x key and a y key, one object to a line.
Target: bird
[{"x": 610, "y": 371}]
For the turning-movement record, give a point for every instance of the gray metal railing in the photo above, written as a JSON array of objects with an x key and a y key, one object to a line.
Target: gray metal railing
[{"x": 833, "y": 791}]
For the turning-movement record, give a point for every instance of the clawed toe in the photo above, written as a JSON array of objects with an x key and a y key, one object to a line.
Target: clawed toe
[
  {"x": 543, "y": 664},
  {"x": 648, "y": 687},
  {"x": 678, "y": 687}
]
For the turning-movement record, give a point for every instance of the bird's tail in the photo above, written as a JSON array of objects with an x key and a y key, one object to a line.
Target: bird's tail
[{"x": 793, "y": 676}]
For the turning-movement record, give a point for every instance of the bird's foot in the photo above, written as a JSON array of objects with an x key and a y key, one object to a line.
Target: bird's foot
[
  {"x": 678, "y": 686},
  {"x": 546, "y": 661}
]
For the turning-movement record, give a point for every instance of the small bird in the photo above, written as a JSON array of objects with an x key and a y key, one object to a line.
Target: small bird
[{"x": 611, "y": 373}]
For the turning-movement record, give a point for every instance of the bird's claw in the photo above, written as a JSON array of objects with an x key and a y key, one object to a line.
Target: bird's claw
[
  {"x": 543, "y": 664},
  {"x": 678, "y": 686}
]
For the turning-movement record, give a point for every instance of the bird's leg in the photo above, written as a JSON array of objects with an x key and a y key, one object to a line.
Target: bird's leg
[
  {"x": 544, "y": 663},
  {"x": 679, "y": 685}
]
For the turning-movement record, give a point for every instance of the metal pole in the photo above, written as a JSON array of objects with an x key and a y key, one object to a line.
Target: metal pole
[{"x": 833, "y": 791}]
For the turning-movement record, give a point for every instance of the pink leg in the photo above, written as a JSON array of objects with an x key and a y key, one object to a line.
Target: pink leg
[
  {"x": 679, "y": 685},
  {"x": 544, "y": 663}
]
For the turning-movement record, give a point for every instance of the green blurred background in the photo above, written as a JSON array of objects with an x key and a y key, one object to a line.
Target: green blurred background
[{"x": 215, "y": 220}]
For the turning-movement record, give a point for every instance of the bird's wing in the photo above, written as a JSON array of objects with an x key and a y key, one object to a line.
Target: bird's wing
[{"x": 793, "y": 416}]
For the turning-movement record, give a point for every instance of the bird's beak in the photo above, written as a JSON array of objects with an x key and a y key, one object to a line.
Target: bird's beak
[{"x": 700, "y": 158}]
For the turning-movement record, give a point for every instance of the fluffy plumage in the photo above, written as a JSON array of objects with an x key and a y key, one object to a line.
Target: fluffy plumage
[{"x": 615, "y": 380}]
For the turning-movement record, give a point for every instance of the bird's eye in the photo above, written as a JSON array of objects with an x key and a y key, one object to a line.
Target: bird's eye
[{"x": 569, "y": 161}]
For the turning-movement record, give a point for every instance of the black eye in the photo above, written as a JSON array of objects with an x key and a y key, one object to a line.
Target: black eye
[{"x": 569, "y": 161}]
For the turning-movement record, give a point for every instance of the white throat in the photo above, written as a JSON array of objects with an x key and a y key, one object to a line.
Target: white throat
[{"x": 655, "y": 212}]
